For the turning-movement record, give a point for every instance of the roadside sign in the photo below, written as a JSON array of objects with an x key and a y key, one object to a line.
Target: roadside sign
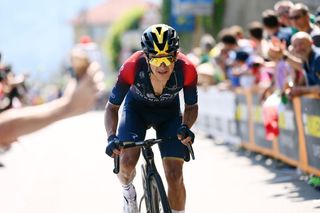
[
  {"x": 183, "y": 23},
  {"x": 192, "y": 7}
]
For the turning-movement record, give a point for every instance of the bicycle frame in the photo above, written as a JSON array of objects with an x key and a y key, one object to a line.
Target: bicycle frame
[{"x": 154, "y": 191}]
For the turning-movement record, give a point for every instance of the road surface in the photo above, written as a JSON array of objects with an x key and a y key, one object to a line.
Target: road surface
[{"x": 63, "y": 169}]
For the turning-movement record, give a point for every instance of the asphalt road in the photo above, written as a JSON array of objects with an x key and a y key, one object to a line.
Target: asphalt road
[{"x": 63, "y": 169}]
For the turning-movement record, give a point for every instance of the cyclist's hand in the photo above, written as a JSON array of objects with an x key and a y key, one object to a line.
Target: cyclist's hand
[
  {"x": 113, "y": 146},
  {"x": 185, "y": 134}
]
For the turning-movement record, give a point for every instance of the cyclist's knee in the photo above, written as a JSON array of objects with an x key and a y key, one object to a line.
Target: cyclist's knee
[
  {"x": 129, "y": 160},
  {"x": 174, "y": 177}
]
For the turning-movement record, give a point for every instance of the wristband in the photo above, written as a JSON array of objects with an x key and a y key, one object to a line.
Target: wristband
[
  {"x": 111, "y": 137},
  {"x": 185, "y": 125}
]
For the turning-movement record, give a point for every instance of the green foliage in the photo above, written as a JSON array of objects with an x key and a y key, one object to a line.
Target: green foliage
[
  {"x": 213, "y": 24},
  {"x": 166, "y": 11},
  {"x": 113, "y": 41},
  {"x": 210, "y": 24},
  {"x": 218, "y": 16}
]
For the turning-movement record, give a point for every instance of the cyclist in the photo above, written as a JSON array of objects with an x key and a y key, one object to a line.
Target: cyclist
[{"x": 150, "y": 81}]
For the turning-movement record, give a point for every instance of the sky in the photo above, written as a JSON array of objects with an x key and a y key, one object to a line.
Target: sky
[{"x": 36, "y": 35}]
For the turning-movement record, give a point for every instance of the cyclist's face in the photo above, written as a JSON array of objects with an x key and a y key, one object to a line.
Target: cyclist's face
[{"x": 162, "y": 65}]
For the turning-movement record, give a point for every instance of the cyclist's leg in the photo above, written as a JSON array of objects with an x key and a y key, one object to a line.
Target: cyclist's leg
[
  {"x": 173, "y": 154},
  {"x": 131, "y": 128},
  {"x": 176, "y": 189}
]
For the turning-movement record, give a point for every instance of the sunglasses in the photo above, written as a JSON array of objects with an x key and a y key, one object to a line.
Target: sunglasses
[
  {"x": 296, "y": 17},
  {"x": 158, "y": 60}
]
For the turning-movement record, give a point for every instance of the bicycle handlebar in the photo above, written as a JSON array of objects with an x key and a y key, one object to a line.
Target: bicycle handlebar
[{"x": 146, "y": 143}]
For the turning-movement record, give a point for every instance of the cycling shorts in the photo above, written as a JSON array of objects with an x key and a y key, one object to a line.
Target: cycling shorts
[{"x": 137, "y": 117}]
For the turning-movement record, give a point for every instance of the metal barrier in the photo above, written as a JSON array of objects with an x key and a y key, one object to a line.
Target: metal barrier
[
  {"x": 310, "y": 118},
  {"x": 237, "y": 116}
]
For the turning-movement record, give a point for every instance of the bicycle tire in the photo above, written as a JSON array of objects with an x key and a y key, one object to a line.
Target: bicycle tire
[
  {"x": 155, "y": 195},
  {"x": 160, "y": 195},
  {"x": 143, "y": 175}
]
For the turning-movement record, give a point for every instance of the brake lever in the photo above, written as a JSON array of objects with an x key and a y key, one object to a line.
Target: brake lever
[{"x": 191, "y": 151}]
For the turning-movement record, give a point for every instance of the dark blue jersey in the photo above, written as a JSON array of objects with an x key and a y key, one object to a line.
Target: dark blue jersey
[{"x": 134, "y": 81}]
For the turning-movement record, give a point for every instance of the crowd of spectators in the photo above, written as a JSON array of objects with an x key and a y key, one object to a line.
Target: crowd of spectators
[
  {"x": 12, "y": 88},
  {"x": 21, "y": 114},
  {"x": 280, "y": 52}
]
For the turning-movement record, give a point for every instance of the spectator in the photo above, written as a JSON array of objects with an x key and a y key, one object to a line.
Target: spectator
[
  {"x": 78, "y": 98},
  {"x": 317, "y": 17},
  {"x": 228, "y": 40},
  {"x": 302, "y": 48},
  {"x": 300, "y": 17},
  {"x": 240, "y": 72},
  {"x": 317, "y": 20},
  {"x": 273, "y": 27},
  {"x": 282, "y": 9},
  {"x": 317, "y": 11},
  {"x": 242, "y": 42},
  {"x": 225, "y": 51},
  {"x": 209, "y": 72},
  {"x": 259, "y": 44},
  {"x": 207, "y": 42},
  {"x": 237, "y": 31},
  {"x": 13, "y": 90}
]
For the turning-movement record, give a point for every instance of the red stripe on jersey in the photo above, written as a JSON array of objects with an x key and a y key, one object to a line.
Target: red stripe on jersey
[
  {"x": 128, "y": 70},
  {"x": 189, "y": 71}
]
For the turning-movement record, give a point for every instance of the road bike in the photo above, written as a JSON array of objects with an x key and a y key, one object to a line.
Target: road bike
[{"x": 155, "y": 196}]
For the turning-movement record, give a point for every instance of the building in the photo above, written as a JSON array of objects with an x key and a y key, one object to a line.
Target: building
[{"x": 96, "y": 21}]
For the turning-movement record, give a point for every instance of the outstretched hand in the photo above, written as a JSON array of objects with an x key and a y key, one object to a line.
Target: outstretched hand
[{"x": 81, "y": 95}]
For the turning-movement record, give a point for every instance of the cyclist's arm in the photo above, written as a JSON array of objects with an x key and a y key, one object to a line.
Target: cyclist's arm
[
  {"x": 125, "y": 80},
  {"x": 190, "y": 92},
  {"x": 111, "y": 118},
  {"x": 190, "y": 114}
]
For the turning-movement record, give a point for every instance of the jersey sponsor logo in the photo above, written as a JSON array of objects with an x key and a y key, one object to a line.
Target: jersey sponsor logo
[
  {"x": 112, "y": 95},
  {"x": 152, "y": 98},
  {"x": 142, "y": 75}
]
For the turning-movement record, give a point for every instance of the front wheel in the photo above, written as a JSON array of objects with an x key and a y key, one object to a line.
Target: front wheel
[{"x": 158, "y": 201}]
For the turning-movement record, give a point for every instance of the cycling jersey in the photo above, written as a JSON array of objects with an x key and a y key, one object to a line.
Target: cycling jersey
[
  {"x": 134, "y": 78},
  {"x": 143, "y": 109}
]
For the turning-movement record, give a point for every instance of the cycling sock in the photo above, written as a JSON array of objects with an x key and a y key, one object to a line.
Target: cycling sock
[
  {"x": 175, "y": 211},
  {"x": 129, "y": 191}
]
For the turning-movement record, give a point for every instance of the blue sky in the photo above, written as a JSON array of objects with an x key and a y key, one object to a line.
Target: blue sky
[{"x": 36, "y": 35}]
